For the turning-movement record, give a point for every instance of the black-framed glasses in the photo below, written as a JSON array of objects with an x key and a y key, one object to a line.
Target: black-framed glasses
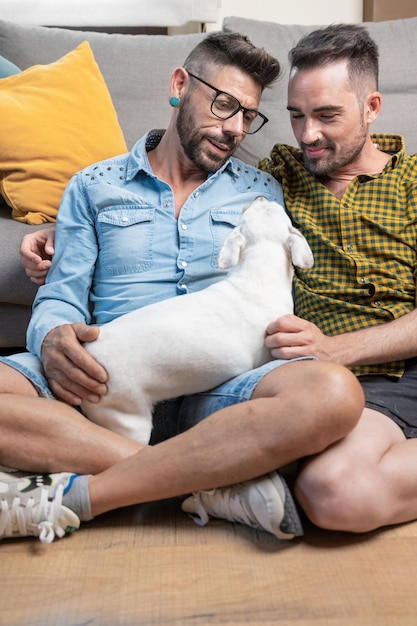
[{"x": 224, "y": 106}]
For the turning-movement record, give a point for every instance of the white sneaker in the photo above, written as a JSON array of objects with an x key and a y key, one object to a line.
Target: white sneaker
[
  {"x": 31, "y": 505},
  {"x": 264, "y": 503}
]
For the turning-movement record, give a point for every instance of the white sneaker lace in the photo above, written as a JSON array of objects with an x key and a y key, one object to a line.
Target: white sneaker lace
[
  {"x": 31, "y": 518},
  {"x": 223, "y": 503}
]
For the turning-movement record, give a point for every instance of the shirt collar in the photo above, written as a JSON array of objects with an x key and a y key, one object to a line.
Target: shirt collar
[
  {"x": 388, "y": 143},
  {"x": 391, "y": 144},
  {"x": 138, "y": 158}
]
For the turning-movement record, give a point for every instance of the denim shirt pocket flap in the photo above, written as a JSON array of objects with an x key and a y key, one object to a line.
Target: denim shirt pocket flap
[
  {"x": 232, "y": 218},
  {"x": 125, "y": 216}
]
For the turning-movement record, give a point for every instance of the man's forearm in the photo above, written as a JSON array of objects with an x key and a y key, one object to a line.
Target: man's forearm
[{"x": 392, "y": 341}]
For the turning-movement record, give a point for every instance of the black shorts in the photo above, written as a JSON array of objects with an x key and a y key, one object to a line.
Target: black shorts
[{"x": 395, "y": 398}]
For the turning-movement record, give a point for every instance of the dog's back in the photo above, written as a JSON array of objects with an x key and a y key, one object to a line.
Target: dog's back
[{"x": 192, "y": 343}]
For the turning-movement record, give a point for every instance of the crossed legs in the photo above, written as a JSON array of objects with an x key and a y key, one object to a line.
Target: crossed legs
[
  {"x": 357, "y": 474},
  {"x": 297, "y": 410}
]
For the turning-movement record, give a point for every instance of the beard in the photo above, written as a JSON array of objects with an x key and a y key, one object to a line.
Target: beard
[
  {"x": 191, "y": 138},
  {"x": 333, "y": 160}
]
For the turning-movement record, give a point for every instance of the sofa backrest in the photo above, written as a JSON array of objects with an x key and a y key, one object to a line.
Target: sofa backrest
[{"x": 137, "y": 70}]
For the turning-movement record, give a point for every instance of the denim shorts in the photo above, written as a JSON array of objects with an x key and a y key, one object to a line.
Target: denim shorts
[
  {"x": 172, "y": 416},
  {"x": 395, "y": 398}
]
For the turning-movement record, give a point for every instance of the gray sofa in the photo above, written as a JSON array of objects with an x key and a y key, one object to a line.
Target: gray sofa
[{"x": 137, "y": 69}]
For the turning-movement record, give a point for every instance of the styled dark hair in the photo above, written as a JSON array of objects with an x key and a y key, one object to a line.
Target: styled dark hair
[
  {"x": 338, "y": 42},
  {"x": 221, "y": 49}
]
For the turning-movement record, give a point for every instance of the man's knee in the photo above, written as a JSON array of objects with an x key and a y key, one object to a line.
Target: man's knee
[
  {"x": 336, "y": 497},
  {"x": 340, "y": 389},
  {"x": 328, "y": 392}
]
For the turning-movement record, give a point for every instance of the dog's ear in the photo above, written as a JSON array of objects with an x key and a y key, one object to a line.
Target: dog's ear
[
  {"x": 301, "y": 254},
  {"x": 230, "y": 253}
]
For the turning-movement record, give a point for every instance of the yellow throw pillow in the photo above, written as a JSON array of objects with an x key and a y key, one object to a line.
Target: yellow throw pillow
[{"x": 55, "y": 120}]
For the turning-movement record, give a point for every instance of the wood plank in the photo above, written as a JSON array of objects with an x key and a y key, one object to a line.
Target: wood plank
[{"x": 151, "y": 565}]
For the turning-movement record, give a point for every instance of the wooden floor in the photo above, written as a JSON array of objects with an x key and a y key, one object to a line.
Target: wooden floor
[{"x": 151, "y": 564}]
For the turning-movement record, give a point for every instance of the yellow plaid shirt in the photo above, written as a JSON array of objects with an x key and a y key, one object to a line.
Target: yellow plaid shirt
[{"x": 364, "y": 245}]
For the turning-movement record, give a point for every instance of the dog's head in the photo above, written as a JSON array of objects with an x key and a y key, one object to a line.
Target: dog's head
[{"x": 265, "y": 221}]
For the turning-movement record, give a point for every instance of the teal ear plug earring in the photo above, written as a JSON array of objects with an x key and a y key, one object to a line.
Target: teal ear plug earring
[{"x": 174, "y": 101}]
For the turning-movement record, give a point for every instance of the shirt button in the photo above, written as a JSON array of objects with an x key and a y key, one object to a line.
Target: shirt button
[
  {"x": 349, "y": 247},
  {"x": 184, "y": 226},
  {"x": 183, "y": 287},
  {"x": 125, "y": 219},
  {"x": 184, "y": 263}
]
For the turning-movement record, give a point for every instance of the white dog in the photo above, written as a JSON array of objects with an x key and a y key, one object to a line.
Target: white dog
[{"x": 194, "y": 342}]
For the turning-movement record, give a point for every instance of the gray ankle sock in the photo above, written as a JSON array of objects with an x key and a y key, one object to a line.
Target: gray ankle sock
[{"x": 77, "y": 498}]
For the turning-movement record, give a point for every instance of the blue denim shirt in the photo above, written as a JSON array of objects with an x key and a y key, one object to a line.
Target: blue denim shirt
[{"x": 119, "y": 246}]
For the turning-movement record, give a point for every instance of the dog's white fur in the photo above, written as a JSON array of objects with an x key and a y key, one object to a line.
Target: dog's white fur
[{"x": 192, "y": 343}]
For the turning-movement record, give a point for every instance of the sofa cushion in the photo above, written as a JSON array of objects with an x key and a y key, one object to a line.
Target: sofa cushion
[
  {"x": 397, "y": 41},
  {"x": 15, "y": 286},
  {"x": 59, "y": 119},
  {"x": 136, "y": 68}
]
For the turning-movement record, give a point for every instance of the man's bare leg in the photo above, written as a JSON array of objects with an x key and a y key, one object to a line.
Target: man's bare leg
[
  {"x": 366, "y": 481},
  {"x": 42, "y": 435},
  {"x": 297, "y": 410}
]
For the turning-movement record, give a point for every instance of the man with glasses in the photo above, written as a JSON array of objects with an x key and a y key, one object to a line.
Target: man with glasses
[{"x": 136, "y": 229}]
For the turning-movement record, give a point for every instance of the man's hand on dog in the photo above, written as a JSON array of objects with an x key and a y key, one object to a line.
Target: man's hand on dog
[{"x": 73, "y": 374}]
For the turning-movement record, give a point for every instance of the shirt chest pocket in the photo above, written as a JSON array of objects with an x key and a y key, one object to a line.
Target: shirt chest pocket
[
  {"x": 125, "y": 237},
  {"x": 222, "y": 222}
]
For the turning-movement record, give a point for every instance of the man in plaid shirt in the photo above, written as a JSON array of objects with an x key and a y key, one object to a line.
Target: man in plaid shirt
[{"x": 354, "y": 197}]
